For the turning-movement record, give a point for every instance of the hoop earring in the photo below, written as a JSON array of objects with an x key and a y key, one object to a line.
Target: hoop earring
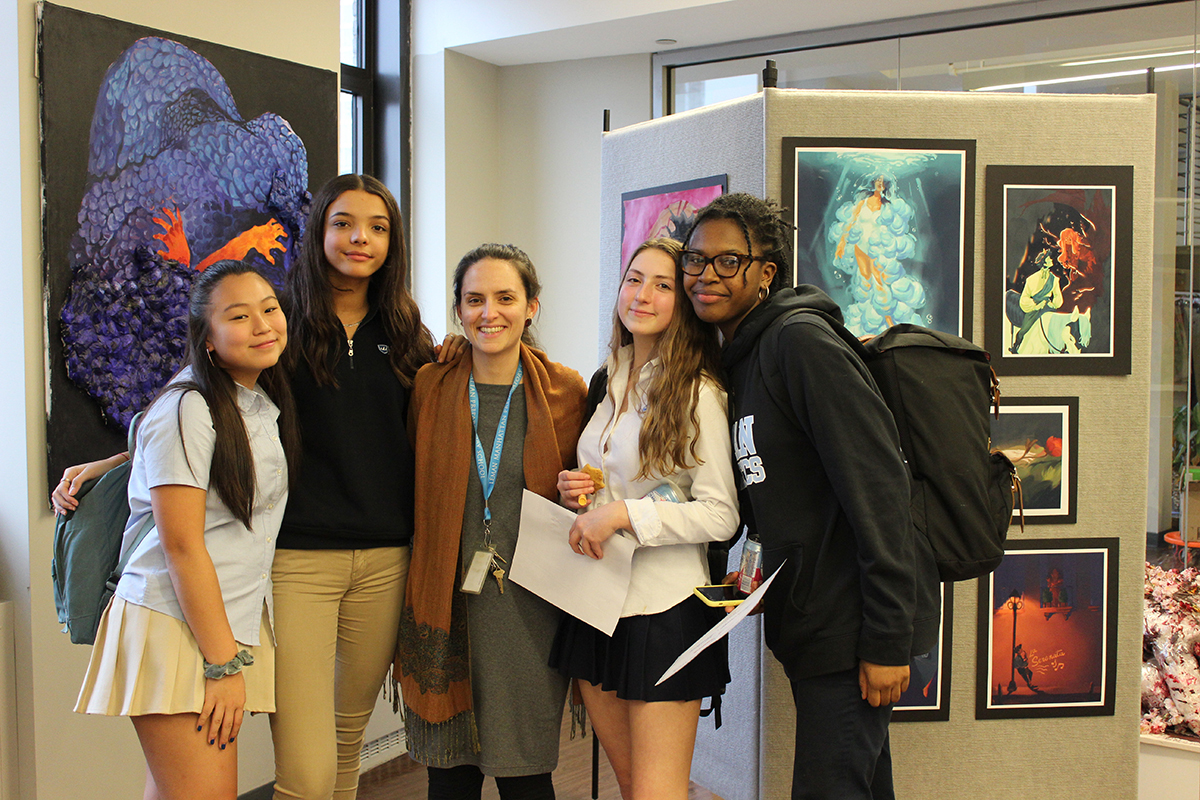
[
  {"x": 210, "y": 361},
  {"x": 763, "y": 293}
]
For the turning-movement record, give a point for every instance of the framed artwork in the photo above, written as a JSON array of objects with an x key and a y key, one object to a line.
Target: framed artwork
[
  {"x": 885, "y": 227},
  {"x": 664, "y": 211},
  {"x": 928, "y": 694},
  {"x": 1058, "y": 270},
  {"x": 159, "y": 155},
  {"x": 1047, "y": 630},
  {"x": 1040, "y": 436}
]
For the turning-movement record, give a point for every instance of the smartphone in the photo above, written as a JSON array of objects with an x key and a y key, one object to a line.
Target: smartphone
[{"x": 719, "y": 595}]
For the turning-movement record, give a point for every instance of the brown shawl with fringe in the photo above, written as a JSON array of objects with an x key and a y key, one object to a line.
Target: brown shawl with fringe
[{"x": 432, "y": 655}]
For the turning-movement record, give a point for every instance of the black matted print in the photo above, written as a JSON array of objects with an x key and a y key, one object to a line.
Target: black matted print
[
  {"x": 160, "y": 155},
  {"x": 1040, "y": 436},
  {"x": 928, "y": 694},
  {"x": 1059, "y": 266},
  {"x": 885, "y": 227},
  {"x": 1047, "y": 630}
]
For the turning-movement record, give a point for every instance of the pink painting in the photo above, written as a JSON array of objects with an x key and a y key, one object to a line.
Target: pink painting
[{"x": 664, "y": 211}]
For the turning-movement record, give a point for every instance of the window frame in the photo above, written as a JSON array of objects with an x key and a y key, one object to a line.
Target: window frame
[
  {"x": 360, "y": 82},
  {"x": 663, "y": 64}
]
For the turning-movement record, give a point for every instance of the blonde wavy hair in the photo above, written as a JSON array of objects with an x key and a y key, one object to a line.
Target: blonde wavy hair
[{"x": 689, "y": 354}]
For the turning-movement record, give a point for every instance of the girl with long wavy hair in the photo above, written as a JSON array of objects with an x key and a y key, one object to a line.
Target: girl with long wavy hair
[
  {"x": 660, "y": 426},
  {"x": 185, "y": 646},
  {"x": 343, "y": 554}
]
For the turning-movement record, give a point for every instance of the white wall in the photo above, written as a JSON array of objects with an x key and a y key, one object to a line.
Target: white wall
[
  {"x": 62, "y": 755},
  {"x": 512, "y": 154},
  {"x": 14, "y": 471},
  {"x": 551, "y": 122}
]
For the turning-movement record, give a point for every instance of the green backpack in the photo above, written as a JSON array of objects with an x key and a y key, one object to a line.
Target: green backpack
[{"x": 87, "y": 549}]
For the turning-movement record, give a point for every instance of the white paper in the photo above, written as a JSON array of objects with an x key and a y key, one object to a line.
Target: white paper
[
  {"x": 591, "y": 590},
  {"x": 721, "y": 628}
]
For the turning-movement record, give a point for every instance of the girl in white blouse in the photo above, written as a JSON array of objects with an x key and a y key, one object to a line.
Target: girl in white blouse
[
  {"x": 185, "y": 646},
  {"x": 661, "y": 425}
]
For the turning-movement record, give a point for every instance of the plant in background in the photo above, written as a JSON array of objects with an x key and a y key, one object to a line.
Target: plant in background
[{"x": 1185, "y": 441}]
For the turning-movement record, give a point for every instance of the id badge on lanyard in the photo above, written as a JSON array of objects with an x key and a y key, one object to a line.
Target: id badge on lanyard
[{"x": 488, "y": 559}]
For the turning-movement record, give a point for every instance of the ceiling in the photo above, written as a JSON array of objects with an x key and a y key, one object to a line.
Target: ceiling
[{"x": 511, "y": 32}]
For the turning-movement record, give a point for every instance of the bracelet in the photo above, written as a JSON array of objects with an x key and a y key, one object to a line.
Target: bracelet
[{"x": 231, "y": 667}]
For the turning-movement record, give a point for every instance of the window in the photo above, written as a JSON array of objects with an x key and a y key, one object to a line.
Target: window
[
  {"x": 356, "y": 145},
  {"x": 1083, "y": 50}
]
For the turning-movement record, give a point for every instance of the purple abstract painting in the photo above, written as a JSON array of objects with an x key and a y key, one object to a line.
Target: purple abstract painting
[{"x": 162, "y": 168}]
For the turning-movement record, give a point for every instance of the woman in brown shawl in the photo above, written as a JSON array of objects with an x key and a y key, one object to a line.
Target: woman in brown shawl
[{"x": 472, "y": 658}]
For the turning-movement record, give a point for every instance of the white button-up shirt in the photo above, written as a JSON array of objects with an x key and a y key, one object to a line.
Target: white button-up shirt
[
  {"x": 242, "y": 557},
  {"x": 671, "y": 559}
]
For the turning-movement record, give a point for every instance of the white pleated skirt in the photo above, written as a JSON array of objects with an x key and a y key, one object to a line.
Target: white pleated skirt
[{"x": 147, "y": 662}]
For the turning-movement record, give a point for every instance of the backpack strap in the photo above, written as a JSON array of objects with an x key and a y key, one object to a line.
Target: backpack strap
[
  {"x": 115, "y": 577},
  {"x": 147, "y": 523},
  {"x": 597, "y": 386},
  {"x": 769, "y": 349}
]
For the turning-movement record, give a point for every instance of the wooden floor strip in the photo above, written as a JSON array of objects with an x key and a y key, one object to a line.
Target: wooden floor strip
[{"x": 404, "y": 779}]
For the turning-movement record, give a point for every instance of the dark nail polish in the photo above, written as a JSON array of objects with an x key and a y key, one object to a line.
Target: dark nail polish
[
  {"x": 231, "y": 738},
  {"x": 222, "y": 747},
  {"x": 212, "y": 741},
  {"x": 199, "y": 728}
]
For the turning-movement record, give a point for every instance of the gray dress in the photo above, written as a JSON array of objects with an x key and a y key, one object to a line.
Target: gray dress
[{"x": 518, "y": 698}]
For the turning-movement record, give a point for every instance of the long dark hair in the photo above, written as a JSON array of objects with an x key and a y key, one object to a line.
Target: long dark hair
[
  {"x": 689, "y": 354},
  {"x": 760, "y": 220},
  {"x": 520, "y": 262},
  {"x": 316, "y": 333},
  {"x": 232, "y": 471}
]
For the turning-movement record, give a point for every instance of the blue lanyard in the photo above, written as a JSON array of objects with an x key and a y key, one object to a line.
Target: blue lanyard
[{"x": 487, "y": 474}]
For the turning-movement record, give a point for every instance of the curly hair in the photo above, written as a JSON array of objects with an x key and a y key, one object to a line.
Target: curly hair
[
  {"x": 761, "y": 221},
  {"x": 689, "y": 354}
]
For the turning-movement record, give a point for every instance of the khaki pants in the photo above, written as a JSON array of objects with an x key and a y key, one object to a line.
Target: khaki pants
[{"x": 336, "y": 617}]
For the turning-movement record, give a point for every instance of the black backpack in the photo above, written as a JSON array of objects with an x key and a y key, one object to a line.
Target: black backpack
[{"x": 941, "y": 389}]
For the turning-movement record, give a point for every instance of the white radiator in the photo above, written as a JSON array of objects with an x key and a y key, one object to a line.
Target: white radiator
[
  {"x": 384, "y": 736},
  {"x": 8, "y": 703}
]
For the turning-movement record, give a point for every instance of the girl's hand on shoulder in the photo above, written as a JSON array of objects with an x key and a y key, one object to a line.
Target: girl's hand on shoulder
[
  {"x": 63, "y": 497},
  {"x": 574, "y": 488},
  {"x": 453, "y": 346},
  {"x": 224, "y": 702},
  {"x": 591, "y": 530}
]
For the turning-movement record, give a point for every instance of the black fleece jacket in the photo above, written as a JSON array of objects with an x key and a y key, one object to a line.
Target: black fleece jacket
[
  {"x": 355, "y": 487},
  {"x": 823, "y": 483}
]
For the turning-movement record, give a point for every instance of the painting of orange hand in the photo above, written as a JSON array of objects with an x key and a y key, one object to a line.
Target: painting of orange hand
[
  {"x": 263, "y": 238},
  {"x": 173, "y": 237}
]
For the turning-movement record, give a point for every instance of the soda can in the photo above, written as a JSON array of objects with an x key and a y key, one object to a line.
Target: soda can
[
  {"x": 666, "y": 493},
  {"x": 751, "y": 567}
]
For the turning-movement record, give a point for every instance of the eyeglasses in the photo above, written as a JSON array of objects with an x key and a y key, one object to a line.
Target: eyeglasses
[{"x": 725, "y": 265}]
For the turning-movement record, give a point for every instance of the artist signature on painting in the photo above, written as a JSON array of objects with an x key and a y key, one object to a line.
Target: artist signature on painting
[{"x": 1048, "y": 663}]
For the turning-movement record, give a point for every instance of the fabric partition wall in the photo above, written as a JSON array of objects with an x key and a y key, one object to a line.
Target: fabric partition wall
[{"x": 751, "y": 755}]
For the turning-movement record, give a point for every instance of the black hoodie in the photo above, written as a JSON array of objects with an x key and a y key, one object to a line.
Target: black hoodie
[{"x": 823, "y": 483}]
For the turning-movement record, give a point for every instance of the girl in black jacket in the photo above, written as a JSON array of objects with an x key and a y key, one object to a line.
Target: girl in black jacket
[{"x": 823, "y": 483}]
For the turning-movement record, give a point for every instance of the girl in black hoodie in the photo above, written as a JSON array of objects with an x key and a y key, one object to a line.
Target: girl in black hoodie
[{"x": 823, "y": 483}]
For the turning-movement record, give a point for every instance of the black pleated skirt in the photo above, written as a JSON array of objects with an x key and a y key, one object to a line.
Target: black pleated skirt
[{"x": 641, "y": 649}]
